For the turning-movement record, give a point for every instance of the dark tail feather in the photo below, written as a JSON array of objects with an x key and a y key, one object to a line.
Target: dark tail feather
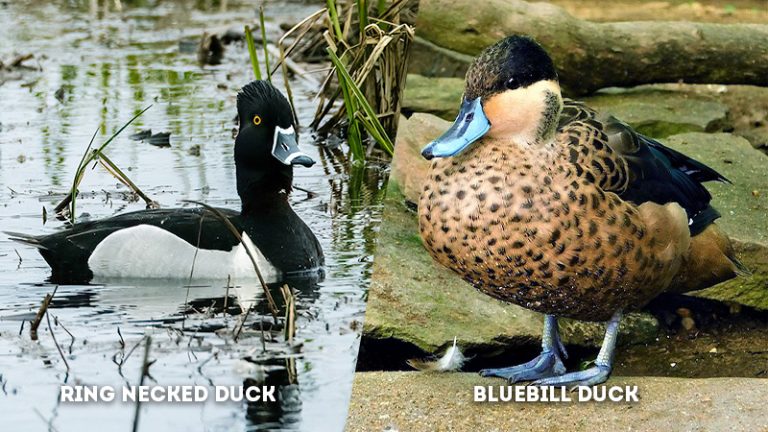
[
  {"x": 703, "y": 219},
  {"x": 693, "y": 168},
  {"x": 25, "y": 239},
  {"x": 741, "y": 269}
]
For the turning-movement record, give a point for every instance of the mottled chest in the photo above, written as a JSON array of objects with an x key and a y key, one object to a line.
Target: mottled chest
[{"x": 490, "y": 187}]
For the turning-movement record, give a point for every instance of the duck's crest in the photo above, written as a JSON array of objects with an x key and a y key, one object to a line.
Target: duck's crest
[{"x": 257, "y": 92}]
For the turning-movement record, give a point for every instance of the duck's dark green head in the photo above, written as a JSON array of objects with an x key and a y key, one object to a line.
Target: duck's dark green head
[
  {"x": 266, "y": 147},
  {"x": 511, "y": 91}
]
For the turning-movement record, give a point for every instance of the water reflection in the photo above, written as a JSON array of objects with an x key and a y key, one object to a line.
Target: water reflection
[{"x": 286, "y": 412}]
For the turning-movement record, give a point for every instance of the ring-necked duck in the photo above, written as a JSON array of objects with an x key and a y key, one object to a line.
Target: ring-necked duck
[
  {"x": 544, "y": 203},
  {"x": 164, "y": 243}
]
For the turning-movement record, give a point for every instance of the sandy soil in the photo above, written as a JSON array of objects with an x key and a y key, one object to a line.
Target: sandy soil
[{"x": 414, "y": 401}]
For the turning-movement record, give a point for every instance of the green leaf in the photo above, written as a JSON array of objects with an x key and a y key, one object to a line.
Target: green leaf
[{"x": 252, "y": 52}]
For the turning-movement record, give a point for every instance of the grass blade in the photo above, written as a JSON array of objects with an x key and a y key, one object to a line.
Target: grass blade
[
  {"x": 87, "y": 158},
  {"x": 236, "y": 233},
  {"x": 333, "y": 14},
  {"x": 70, "y": 200},
  {"x": 362, "y": 14},
  {"x": 264, "y": 42},
  {"x": 114, "y": 135},
  {"x": 354, "y": 138},
  {"x": 252, "y": 51},
  {"x": 348, "y": 86},
  {"x": 113, "y": 169}
]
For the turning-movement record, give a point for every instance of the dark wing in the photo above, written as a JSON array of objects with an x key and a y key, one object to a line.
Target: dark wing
[
  {"x": 636, "y": 167},
  {"x": 194, "y": 225}
]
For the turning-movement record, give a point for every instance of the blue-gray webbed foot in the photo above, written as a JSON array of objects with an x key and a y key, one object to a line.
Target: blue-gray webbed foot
[
  {"x": 547, "y": 364},
  {"x": 597, "y": 374}
]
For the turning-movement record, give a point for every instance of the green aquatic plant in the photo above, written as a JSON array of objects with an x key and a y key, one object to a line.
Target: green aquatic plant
[
  {"x": 369, "y": 71},
  {"x": 368, "y": 50},
  {"x": 353, "y": 101},
  {"x": 252, "y": 52},
  {"x": 264, "y": 43}
]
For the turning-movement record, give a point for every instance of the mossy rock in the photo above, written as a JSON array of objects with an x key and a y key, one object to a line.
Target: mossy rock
[
  {"x": 434, "y": 61},
  {"x": 747, "y": 106},
  {"x": 438, "y": 96},
  {"x": 408, "y": 168},
  {"x": 744, "y": 203},
  {"x": 659, "y": 113}
]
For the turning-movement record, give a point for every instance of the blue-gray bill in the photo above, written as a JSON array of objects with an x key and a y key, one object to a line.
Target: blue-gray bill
[
  {"x": 285, "y": 148},
  {"x": 470, "y": 125}
]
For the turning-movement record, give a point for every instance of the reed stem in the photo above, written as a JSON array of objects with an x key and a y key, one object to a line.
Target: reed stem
[{"x": 252, "y": 52}]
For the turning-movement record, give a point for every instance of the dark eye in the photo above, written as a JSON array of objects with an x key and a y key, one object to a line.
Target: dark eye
[
  {"x": 257, "y": 120},
  {"x": 512, "y": 84}
]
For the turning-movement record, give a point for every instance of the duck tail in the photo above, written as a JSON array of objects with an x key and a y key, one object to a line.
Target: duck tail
[
  {"x": 24, "y": 239},
  {"x": 711, "y": 259},
  {"x": 741, "y": 269}
]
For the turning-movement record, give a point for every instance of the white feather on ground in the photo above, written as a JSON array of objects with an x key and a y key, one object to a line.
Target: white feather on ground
[{"x": 452, "y": 360}]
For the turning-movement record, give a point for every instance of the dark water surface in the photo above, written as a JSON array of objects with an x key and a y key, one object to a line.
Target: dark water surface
[{"x": 107, "y": 66}]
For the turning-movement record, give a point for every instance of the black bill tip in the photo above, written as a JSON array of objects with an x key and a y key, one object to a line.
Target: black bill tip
[{"x": 303, "y": 160}]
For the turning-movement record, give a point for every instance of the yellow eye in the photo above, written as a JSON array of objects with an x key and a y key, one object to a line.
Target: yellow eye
[{"x": 256, "y": 120}]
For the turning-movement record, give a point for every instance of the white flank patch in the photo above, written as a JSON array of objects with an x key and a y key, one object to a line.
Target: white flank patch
[{"x": 146, "y": 251}]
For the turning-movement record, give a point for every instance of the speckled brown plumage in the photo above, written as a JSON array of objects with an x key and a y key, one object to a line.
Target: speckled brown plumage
[{"x": 544, "y": 226}]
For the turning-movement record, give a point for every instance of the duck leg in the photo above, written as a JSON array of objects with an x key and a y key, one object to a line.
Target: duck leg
[
  {"x": 547, "y": 364},
  {"x": 597, "y": 374}
]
